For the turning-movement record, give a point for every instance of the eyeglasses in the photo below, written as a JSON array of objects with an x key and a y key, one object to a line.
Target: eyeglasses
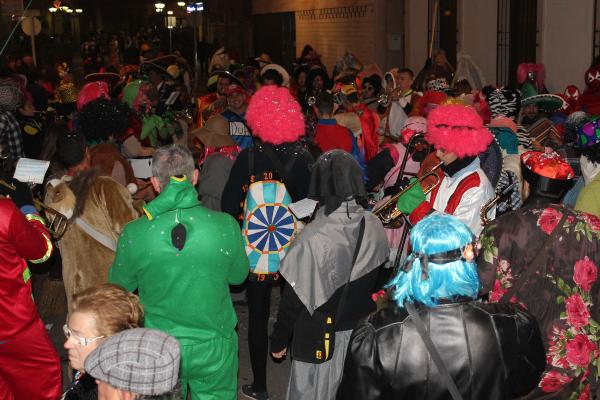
[{"x": 82, "y": 341}]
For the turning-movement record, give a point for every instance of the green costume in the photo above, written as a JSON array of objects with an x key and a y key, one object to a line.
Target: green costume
[{"x": 186, "y": 293}]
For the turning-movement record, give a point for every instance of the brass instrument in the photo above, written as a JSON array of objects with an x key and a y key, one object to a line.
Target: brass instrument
[
  {"x": 388, "y": 212},
  {"x": 311, "y": 101},
  {"x": 57, "y": 222},
  {"x": 386, "y": 98},
  {"x": 487, "y": 206},
  {"x": 383, "y": 99},
  {"x": 186, "y": 115}
]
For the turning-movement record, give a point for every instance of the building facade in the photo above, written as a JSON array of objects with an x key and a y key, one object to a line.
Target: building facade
[{"x": 496, "y": 34}]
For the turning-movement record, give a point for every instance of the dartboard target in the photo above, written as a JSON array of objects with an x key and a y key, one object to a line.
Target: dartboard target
[{"x": 269, "y": 226}]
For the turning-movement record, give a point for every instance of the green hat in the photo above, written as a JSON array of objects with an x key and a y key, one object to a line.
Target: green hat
[{"x": 546, "y": 102}]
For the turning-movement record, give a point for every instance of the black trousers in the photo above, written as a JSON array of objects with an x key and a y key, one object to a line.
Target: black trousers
[{"x": 258, "y": 294}]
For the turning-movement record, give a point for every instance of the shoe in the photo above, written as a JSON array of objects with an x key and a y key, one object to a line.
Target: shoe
[{"x": 249, "y": 392}]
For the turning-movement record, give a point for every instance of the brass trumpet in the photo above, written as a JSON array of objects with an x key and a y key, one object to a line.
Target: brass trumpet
[
  {"x": 57, "y": 222},
  {"x": 388, "y": 212},
  {"x": 488, "y": 205}
]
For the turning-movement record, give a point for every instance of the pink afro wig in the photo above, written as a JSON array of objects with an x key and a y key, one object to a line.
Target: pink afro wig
[
  {"x": 92, "y": 91},
  {"x": 275, "y": 116},
  {"x": 457, "y": 129}
]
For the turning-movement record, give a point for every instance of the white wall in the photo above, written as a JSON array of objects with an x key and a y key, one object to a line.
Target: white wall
[
  {"x": 567, "y": 42},
  {"x": 477, "y": 34}
]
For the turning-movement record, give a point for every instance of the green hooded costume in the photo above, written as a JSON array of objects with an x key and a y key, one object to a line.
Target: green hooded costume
[{"x": 186, "y": 293}]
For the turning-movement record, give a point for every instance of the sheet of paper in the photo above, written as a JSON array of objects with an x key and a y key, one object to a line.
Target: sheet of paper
[
  {"x": 30, "y": 170},
  {"x": 142, "y": 167},
  {"x": 303, "y": 208}
]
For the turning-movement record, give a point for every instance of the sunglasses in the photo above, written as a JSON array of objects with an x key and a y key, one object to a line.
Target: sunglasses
[{"x": 82, "y": 341}]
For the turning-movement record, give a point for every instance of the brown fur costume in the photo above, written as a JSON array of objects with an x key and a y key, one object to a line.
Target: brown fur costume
[
  {"x": 108, "y": 159},
  {"x": 102, "y": 203}
]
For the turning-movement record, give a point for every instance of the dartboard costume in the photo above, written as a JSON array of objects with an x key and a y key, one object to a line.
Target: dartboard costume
[{"x": 268, "y": 227}]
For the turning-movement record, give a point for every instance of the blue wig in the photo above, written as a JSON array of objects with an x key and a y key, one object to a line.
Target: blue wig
[{"x": 427, "y": 281}]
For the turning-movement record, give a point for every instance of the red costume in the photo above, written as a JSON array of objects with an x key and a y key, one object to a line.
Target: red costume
[{"x": 29, "y": 364}]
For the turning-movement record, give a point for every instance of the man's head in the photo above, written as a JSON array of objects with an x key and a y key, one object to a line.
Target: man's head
[
  {"x": 324, "y": 105},
  {"x": 271, "y": 77},
  {"x": 155, "y": 76},
  {"x": 405, "y": 79},
  {"x": 274, "y": 74},
  {"x": 236, "y": 98},
  {"x": 73, "y": 152},
  {"x": 172, "y": 160},
  {"x": 439, "y": 58},
  {"x": 529, "y": 114},
  {"x": 223, "y": 83},
  {"x": 135, "y": 363}
]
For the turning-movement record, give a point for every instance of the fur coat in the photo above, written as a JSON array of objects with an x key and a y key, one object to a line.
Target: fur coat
[{"x": 107, "y": 207}]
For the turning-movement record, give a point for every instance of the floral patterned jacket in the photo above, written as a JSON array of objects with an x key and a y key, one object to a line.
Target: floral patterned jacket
[{"x": 564, "y": 295}]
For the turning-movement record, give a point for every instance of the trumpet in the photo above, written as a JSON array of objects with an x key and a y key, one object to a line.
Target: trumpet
[
  {"x": 386, "y": 97},
  {"x": 488, "y": 205},
  {"x": 388, "y": 213},
  {"x": 57, "y": 222}
]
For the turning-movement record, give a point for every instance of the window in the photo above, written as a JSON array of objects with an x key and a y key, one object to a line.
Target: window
[
  {"x": 446, "y": 24},
  {"x": 517, "y": 38}
]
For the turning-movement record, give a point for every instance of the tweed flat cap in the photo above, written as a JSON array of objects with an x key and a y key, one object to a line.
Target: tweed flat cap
[{"x": 140, "y": 361}]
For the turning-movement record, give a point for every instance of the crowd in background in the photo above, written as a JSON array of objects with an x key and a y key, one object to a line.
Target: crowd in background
[{"x": 432, "y": 235}]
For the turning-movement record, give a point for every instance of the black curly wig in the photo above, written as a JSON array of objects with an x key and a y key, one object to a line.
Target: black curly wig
[{"x": 102, "y": 118}]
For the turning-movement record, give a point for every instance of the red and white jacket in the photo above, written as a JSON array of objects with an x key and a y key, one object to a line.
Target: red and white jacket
[{"x": 461, "y": 195}]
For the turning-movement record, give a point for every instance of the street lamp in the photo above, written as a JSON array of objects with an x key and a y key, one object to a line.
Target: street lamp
[
  {"x": 53, "y": 9},
  {"x": 78, "y": 10},
  {"x": 181, "y": 3},
  {"x": 159, "y": 6}
]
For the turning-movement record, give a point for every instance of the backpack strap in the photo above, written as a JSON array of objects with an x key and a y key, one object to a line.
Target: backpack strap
[
  {"x": 251, "y": 160},
  {"x": 433, "y": 352},
  {"x": 282, "y": 171},
  {"x": 342, "y": 303}
]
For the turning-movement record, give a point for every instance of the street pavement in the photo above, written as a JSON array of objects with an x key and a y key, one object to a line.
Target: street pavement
[{"x": 277, "y": 373}]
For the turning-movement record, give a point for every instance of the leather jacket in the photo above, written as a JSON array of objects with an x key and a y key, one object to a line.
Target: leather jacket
[{"x": 492, "y": 351}]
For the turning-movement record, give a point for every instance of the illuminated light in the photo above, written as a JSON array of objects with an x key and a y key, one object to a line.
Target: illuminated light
[
  {"x": 169, "y": 12},
  {"x": 78, "y": 10},
  {"x": 181, "y": 3},
  {"x": 69, "y": 11},
  {"x": 159, "y": 5},
  {"x": 53, "y": 9}
]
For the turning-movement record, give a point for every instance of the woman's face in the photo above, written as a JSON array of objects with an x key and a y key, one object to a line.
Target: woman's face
[
  {"x": 318, "y": 83},
  {"x": 82, "y": 338},
  {"x": 302, "y": 79},
  {"x": 368, "y": 91}
]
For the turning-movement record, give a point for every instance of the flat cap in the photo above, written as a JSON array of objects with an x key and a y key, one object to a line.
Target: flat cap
[{"x": 140, "y": 361}]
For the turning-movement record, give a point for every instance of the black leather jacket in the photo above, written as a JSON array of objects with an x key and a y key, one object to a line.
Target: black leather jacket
[{"x": 492, "y": 351}]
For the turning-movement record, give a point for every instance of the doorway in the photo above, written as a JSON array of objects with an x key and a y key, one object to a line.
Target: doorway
[{"x": 275, "y": 34}]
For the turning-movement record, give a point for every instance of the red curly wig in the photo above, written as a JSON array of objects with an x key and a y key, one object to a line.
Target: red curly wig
[
  {"x": 457, "y": 129},
  {"x": 275, "y": 116}
]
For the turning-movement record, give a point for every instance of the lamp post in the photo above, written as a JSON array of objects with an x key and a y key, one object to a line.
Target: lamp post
[
  {"x": 195, "y": 9},
  {"x": 53, "y": 11},
  {"x": 171, "y": 23}
]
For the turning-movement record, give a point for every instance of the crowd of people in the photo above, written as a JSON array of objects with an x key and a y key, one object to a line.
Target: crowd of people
[{"x": 432, "y": 236}]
